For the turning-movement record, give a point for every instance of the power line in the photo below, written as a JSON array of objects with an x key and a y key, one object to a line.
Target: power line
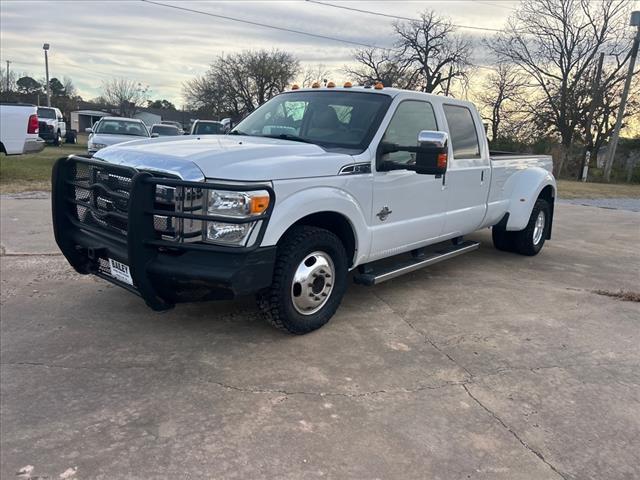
[
  {"x": 398, "y": 17},
  {"x": 494, "y": 5},
  {"x": 258, "y": 24}
]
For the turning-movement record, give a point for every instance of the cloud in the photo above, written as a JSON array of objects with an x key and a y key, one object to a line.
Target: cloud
[{"x": 163, "y": 47}]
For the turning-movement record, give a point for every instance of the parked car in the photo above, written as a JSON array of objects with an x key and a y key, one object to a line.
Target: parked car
[
  {"x": 19, "y": 129},
  {"x": 207, "y": 127},
  {"x": 178, "y": 125},
  {"x": 51, "y": 125},
  {"x": 161, "y": 130},
  {"x": 313, "y": 184},
  {"x": 112, "y": 130}
]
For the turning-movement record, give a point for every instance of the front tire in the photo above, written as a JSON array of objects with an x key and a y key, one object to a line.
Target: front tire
[
  {"x": 309, "y": 280},
  {"x": 58, "y": 140}
]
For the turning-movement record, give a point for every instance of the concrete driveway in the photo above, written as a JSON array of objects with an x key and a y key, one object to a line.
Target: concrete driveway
[{"x": 490, "y": 366}]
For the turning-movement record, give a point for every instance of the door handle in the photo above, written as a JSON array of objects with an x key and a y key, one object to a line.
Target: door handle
[{"x": 482, "y": 175}]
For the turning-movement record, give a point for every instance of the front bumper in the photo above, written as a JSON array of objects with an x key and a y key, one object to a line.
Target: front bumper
[
  {"x": 33, "y": 145},
  {"x": 164, "y": 272}
]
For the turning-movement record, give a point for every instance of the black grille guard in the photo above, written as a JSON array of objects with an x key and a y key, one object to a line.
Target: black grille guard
[{"x": 84, "y": 244}]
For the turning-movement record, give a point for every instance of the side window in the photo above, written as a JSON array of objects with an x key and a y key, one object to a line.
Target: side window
[
  {"x": 411, "y": 117},
  {"x": 462, "y": 131}
]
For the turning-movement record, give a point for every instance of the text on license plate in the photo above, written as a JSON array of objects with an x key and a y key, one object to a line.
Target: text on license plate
[{"x": 120, "y": 271}]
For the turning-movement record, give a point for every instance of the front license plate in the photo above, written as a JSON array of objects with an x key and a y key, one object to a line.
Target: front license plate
[{"x": 120, "y": 271}]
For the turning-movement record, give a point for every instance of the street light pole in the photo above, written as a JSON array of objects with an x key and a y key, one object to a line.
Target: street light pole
[
  {"x": 613, "y": 143},
  {"x": 45, "y": 47}
]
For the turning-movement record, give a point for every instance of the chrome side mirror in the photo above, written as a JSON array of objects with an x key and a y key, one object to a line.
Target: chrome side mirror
[
  {"x": 432, "y": 155},
  {"x": 432, "y": 138}
]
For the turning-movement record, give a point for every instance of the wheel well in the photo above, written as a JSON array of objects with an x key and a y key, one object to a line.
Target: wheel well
[
  {"x": 548, "y": 194},
  {"x": 337, "y": 224},
  {"x": 2, "y": 149}
]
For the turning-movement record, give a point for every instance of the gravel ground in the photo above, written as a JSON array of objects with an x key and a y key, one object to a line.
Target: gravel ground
[{"x": 630, "y": 204}]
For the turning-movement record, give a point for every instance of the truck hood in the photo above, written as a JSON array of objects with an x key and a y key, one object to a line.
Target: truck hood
[{"x": 229, "y": 157}]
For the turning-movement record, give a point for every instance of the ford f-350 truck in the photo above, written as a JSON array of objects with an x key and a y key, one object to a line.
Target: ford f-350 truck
[{"x": 314, "y": 184}]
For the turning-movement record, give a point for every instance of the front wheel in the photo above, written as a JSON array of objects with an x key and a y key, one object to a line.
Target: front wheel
[
  {"x": 58, "y": 140},
  {"x": 309, "y": 280}
]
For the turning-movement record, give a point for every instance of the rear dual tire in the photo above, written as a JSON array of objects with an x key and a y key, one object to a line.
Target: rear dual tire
[{"x": 530, "y": 240}]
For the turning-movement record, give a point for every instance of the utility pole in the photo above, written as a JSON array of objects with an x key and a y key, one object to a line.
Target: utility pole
[
  {"x": 613, "y": 143},
  {"x": 45, "y": 47},
  {"x": 446, "y": 90},
  {"x": 8, "y": 63},
  {"x": 595, "y": 101}
]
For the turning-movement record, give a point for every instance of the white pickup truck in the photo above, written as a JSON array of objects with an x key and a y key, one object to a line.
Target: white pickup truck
[
  {"x": 19, "y": 129},
  {"x": 314, "y": 184},
  {"x": 53, "y": 128}
]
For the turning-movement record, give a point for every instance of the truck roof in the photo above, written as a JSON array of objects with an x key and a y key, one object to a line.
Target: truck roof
[{"x": 388, "y": 91}]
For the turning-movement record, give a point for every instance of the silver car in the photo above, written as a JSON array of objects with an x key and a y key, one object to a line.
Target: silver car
[{"x": 111, "y": 130}]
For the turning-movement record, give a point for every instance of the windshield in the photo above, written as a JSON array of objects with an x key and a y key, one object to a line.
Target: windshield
[
  {"x": 121, "y": 127},
  {"x": 327, "y": 118},
  {"x": 46, "y": 113},
  {"x": 165, "y": 130},
  {"x": 208, "y": 128}
]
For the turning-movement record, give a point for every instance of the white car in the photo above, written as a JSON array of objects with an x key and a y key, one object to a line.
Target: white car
[
  {"x": 313, "y": 184},
  {"x": 112, "y": 130},
  {"x": 19, "y": 129}
]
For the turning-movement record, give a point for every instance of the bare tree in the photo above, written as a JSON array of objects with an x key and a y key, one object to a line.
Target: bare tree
[
  {"x": 555, "y": 43},
  {"x": 431, "y": 51},
  {"x": 377, "y": 65},
  {"x": 314, "y": 73},
  {"x": 501, "y": 101},
  {"x": 239, "y": 83},
  {"x": 69, "y": 88},
  {"x": 10, "y": 81},
  {"x": 128, "y": 95}
]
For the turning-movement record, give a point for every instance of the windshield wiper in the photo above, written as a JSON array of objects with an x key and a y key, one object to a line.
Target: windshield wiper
[
  {"x": 286, "y": 136},
  {"x": 236, "y": 132}
]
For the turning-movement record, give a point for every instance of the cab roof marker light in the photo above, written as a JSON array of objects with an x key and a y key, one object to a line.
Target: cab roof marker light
[
  {"x": 295, "y": 86},
  {"x": 379, "y": 86},
  {"x": 348, "y": 85},
  {"x": 315, "y": 85},
  {"x": 331, "y": 85}
]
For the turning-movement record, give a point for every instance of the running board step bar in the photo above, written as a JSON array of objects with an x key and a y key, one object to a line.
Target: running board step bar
[{"x": 371, "y": 276}]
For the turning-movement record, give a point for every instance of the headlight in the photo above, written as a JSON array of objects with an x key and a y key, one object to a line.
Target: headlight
[
  {"x": 237, "y": 204},
  {"x": 229, "y": 233},
  {"x": 226, "y": 203},
  {"x": 96, "y": 146}
]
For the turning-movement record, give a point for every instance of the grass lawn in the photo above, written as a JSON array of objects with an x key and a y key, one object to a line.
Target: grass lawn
[
  {"x": 21, "y": 173},
  {"x": 570, "y": 189}
]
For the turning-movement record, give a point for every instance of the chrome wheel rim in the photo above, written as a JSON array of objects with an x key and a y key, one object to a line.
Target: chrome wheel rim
[
  {"x": 312, "y": 283},
  {"x": 538, "y": 229}
]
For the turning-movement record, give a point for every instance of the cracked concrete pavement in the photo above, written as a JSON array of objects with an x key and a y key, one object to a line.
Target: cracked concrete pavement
[{"x": 490, "y": 366}]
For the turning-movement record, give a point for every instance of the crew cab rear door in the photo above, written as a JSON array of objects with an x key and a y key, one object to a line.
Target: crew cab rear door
[{"x": 468, "y": 174}]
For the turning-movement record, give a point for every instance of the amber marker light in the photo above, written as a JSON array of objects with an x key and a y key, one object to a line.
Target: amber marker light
[
  {"x": 259, "y": 203},
  {"x": 295, "y": 86},
  {"x": 379, "y": 86},
  {"x": 315, "y": 85},
  {"x": 442, "y": 161},
  {"x": 331, "y": 85},
  {"x": 347, "y": 85}
]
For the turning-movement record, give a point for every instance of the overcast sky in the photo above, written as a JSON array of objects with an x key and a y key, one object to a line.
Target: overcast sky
[{"x": 95, "y": 40}]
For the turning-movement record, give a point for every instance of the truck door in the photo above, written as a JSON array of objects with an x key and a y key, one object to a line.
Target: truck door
[
  {"x": 408, "y": 209},
  {"x": 468, "y": 174}
]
